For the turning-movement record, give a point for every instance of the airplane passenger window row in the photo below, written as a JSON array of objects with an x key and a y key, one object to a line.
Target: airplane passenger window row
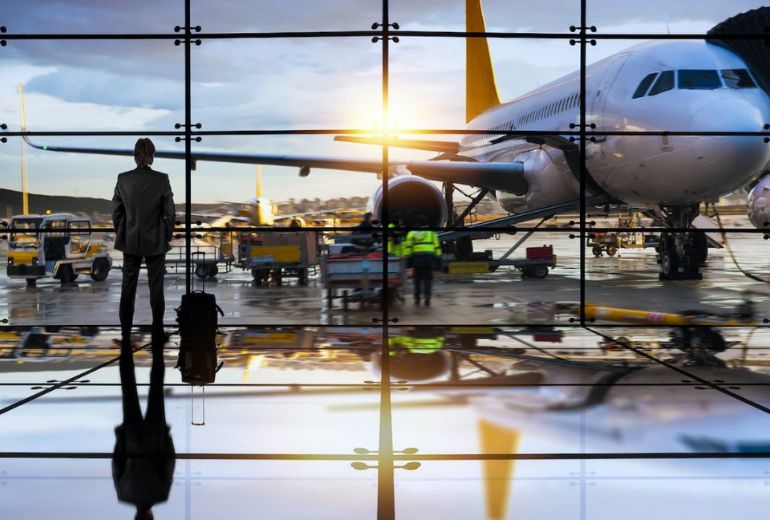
[
  {"x": 549, "y": 110},
  {"x": 546, "y": 111},
  {"x": 694, "y": 79}
]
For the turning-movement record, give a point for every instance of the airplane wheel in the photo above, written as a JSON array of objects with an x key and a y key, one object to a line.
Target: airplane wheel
[
  {"x": 31, "y": 282},
  {"x": 66, "y": 274},
  {"x": 611, "y": 250},
  {"x": 260, "y": 275},
  {"x": 597, "y": 251},
  {"x": 100, "y": 270},
  {"x": 201, "y": 271},
  {"x": 669, "y": 259},
  {"x": 700, "y": 246}
]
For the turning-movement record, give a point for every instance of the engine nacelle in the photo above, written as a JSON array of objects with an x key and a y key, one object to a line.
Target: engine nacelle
[
  {"x": 758, "y": 203},
  {"x": 408, "y": 197},
  {"x": 550, "y": 182}
]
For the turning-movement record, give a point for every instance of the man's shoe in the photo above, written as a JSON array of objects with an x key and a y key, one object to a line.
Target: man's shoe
[
  {"x": 427, "y": 303},
  {"x": 417, "y": 300}
]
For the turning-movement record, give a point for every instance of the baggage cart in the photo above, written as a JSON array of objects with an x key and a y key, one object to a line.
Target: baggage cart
[{"x": 358, "y": 277}]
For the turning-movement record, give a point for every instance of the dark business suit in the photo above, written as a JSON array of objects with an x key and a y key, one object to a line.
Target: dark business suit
[{"x": 143, "y": 216}]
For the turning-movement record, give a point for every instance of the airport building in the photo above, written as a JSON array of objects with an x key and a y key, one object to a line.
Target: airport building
[{"x": 471, "y": 259}]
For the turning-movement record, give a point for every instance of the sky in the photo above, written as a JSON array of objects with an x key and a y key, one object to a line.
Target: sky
[{"x": 277, "y": 83}]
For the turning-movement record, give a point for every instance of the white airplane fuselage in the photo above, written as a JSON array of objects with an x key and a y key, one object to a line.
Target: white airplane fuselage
[{"x": 646, "y": 170}]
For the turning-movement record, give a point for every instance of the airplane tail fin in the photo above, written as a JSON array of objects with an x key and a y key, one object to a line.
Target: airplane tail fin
[
  {"x": 480, "y": 87},
  {"x": 259, "y": 181}
]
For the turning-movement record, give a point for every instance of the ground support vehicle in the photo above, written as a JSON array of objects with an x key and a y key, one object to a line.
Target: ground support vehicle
[
  {"x": 358, "y": 277},
  {"x": 610, "y": 243},
  {"x": 536, "y": 264},
  {"x": 207, "y": 260},
  {"x": 58, "y": 245},
  {"x": 279, "y": 254}
]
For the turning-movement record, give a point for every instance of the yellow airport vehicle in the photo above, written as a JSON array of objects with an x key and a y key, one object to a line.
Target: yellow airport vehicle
[
  {"x": 279, "y": 254},
  {"x": 58, "y": 245},
  {"x": 610, "y": 243}
]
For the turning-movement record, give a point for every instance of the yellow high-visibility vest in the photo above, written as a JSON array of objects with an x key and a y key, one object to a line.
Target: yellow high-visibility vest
[{"x": 422, "y": 241}]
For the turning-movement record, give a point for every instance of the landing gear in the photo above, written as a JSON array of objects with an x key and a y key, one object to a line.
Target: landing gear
[{"x": 681, "y": 252}]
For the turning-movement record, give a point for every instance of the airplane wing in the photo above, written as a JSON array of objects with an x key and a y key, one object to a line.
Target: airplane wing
[
  {"x": 416, "y": 144},
  {"x": 493, "y": 176}
]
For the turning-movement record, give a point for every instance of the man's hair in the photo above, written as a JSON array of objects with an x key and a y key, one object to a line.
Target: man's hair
[{"x": 144, "y": 152}]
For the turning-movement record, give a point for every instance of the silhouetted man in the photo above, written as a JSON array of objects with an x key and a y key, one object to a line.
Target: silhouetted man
[
  {"x": 144, "y": 457},
  {"x": 143, "y": 216}
]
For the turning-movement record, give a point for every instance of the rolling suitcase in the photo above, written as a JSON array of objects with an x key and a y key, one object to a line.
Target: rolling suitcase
[{"x": 198, "y": 319}]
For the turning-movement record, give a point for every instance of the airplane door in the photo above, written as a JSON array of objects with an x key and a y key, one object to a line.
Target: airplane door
[{"x": 601, "y": 96}]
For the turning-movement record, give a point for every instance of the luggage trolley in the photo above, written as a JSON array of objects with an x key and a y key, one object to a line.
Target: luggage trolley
[{"x": 358, "y": 277}]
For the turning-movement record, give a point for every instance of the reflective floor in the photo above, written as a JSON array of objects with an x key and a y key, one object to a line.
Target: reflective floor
[{"x": 430, "y": 422}]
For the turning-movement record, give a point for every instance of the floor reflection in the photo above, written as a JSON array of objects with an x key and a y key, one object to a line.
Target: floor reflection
[{"x": 499, "y": 418}]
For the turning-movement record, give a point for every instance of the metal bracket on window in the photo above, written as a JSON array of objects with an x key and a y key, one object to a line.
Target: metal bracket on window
[
  {"x": 767, "y": 127},
  {"x": 3, "y": 30},
  {"x": 183, "y": 125},
  {"x": 376, "y": 26},
  {"x": 582, "y": 28},
  {"x": 179, "y": 42},
  {"x": 379, "y": 320},
  {"x": 3, "y": 127},
  {"x": 179, "y": 28},
  {"x": 197, "y": 139}
]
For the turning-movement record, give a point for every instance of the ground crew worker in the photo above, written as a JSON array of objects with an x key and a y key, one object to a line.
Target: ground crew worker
[
  {"x": 395, "y": 237},
  {"x": 424, "y": 249}
]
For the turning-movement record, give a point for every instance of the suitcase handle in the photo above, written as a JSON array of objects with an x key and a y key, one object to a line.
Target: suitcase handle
[{"x": 203, "y": 280}]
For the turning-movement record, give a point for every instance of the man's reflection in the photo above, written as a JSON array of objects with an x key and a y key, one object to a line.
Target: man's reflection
[{"x": 144, "y": 457}]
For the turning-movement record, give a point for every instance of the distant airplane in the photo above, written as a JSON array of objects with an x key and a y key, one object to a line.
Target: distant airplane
[{"x": 688, "y": 86}]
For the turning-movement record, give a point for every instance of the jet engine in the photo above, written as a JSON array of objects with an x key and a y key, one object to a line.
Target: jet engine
[
  {"x": 549, "y": 179},
  {"x": 758, "y": 203},
  {"x": 408, "y": 197}
]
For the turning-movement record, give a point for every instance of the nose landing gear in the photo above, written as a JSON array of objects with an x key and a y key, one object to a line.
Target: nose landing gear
[{"x": 681, "y": 252}]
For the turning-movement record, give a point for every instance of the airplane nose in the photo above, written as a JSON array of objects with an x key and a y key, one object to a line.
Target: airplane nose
[
  {"x": 728, "y": 116},
  {"x": 729, "y": 161}
]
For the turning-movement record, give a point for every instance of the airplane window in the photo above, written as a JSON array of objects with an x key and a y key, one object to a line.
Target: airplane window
[
  {"x": 665, "y": 82},
  {"x": 644, "y": 85},
  {"x": 737, "y": 78},
  {"x": 694, "y": 79}
]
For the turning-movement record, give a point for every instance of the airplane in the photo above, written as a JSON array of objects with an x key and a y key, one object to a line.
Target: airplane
[{"x": 684, "y": 86}]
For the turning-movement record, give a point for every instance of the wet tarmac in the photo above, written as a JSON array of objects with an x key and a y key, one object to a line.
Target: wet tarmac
[
  {"x": 629, "y": 280},
  {"x": 501, "y": 423}
]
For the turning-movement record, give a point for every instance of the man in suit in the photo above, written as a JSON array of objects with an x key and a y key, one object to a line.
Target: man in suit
[{"x": 143, "y": 216}]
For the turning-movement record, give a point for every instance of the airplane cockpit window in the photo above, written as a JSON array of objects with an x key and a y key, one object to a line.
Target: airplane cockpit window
[
  {"x": 644, "y": 85},
  {"x": 737, "y": 78},
  {"x": 664, "y": 83},
  {"x": 694, "y": 79}
]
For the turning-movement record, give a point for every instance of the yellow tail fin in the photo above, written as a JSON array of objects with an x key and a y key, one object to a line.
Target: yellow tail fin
[
  {"x": 480, "y": 87},
  {"x": 259, "y": 181}
]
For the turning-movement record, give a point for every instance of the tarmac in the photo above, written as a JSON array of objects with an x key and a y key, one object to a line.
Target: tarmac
[{"x": 628, "y": 280}]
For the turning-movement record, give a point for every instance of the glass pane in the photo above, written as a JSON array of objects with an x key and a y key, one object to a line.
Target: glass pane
[
  {"x": 295, "y": 15},
  {"x": 286, "y": 83},
  {"x": 500, "y": 16},
  {"x": 199, "y": 489},
  {"x": 70, "y": 85},
  {"x": 92, "y": 296},
  {"x": 52, "y": 17}
]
